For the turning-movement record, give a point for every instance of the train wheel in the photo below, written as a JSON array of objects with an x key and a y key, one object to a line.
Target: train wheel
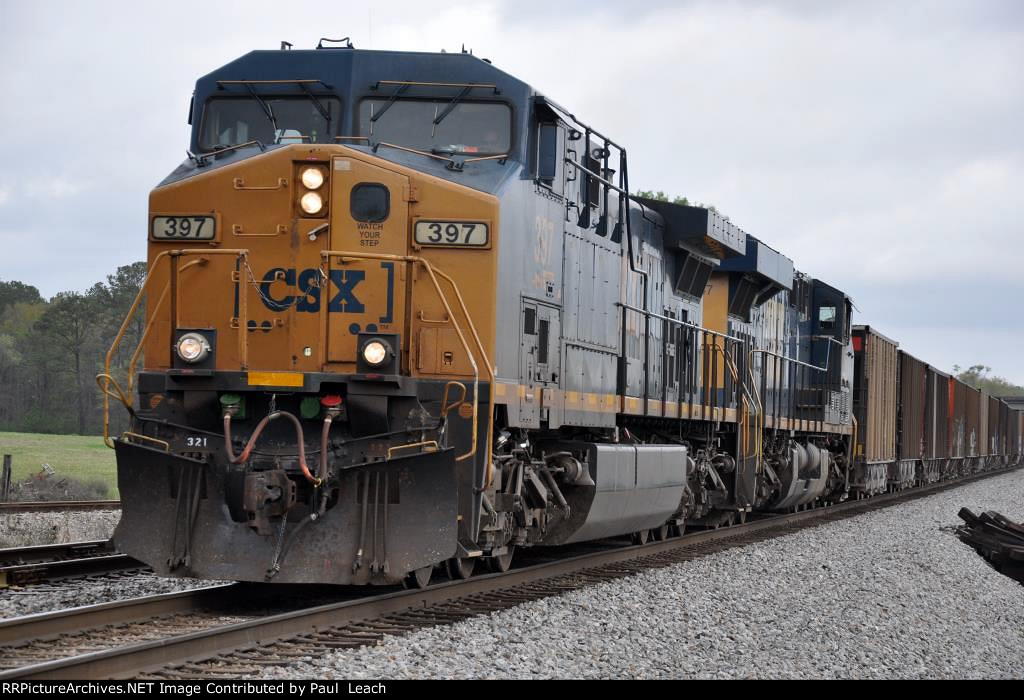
[
  {"x": 420, "y": 578},
  {"x": 679, "y": 530},
  {"x": 503, "y": 562},
  {"x": 460, "y": 568},
  {"x": 662, "y": 533},
  {"x": 641, "y": 537}
]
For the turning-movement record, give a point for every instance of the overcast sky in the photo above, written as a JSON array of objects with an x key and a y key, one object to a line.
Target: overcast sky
[{"x": 878, "y": 144}]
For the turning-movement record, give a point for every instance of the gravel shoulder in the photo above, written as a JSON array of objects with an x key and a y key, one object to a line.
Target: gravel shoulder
[{"x": 890, "y": 594}]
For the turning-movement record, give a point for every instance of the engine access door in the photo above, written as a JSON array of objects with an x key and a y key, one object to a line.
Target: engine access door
[
  {"x": 369, "y": 216},
  {"x": 540, "y": 356}
]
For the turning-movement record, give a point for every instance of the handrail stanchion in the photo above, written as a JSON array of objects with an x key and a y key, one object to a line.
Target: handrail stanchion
[
  {"x": 105, "y": 379},
  {"x": 433, "y": 274}
]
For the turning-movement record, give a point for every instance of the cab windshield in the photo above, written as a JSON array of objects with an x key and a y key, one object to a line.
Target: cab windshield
[
  {"x": 228, "y": 121},
  {"x": 438, "y": 126}
]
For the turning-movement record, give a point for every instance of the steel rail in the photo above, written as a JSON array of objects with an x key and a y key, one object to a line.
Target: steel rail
[
  {"x": 53, "y": 552},
  {"x": 151, "y": 656},
  {"x": 39, "y": 572},
  {"x": 73, "y": 620},
  {"x": 41, "y": 506},
  {"x": 20, "y": 566}
]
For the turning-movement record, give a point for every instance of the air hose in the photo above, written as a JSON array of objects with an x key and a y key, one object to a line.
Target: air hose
[{"x": 244, "y": 456}]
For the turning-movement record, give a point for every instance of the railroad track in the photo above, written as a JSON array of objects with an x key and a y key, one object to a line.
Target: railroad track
[
  {"x": 204, "y": 632},
  {"x": 24, "y": 566},
  {"x": 48, "y": 506}
]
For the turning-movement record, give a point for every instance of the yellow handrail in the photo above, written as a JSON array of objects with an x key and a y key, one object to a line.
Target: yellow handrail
[
  {"x": 433, "y": 275},
  {"x": 424, "y": 443},
  {"x": 133, "y": 362},
  {"x": 105, "y": 379},
  {"x": 445, "y": 406},
  {"x": 145, "y": 438},
  {"x": 747, "y": 398}
]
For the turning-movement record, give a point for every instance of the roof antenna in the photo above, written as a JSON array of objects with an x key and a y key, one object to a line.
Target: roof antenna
[
  {"x": 346, "y": 41},
  {"x": 286, "y": 46}
]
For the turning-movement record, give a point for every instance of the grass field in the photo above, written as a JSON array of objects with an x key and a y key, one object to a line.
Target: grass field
[{"x": 82, "y": 457}]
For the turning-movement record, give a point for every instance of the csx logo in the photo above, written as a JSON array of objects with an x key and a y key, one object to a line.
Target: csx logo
[
  {"x": 338, "y": 287},
  {"x": 308, "y": 283}
]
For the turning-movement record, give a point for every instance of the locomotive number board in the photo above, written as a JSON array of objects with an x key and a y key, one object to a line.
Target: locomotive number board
[
  {"x": 462, "y": 234},
  {"x": 179, "y": 228}
]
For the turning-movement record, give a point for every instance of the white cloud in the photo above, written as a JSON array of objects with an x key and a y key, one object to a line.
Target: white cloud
[{"x": 54, "y": 187}]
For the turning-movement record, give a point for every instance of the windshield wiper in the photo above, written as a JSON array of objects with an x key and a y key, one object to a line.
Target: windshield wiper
[
  {"x": 451, "y": 105},
  {"x": 221, "y": 149},
  {"x": 318, "y": 104},
  {"x": 266, "y": 108},
  {"x": 386, "y": 107}
]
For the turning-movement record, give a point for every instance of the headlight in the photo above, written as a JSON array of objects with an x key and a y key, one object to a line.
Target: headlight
[
  {"x": 312, "y": 178},
  {"x": 311, "y": 203},
  {"x": 192, "y": 347},
  {"x": 376, "y": 353}
]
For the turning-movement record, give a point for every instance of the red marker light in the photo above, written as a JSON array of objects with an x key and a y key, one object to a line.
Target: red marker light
[{"x": 330, "y": 401}]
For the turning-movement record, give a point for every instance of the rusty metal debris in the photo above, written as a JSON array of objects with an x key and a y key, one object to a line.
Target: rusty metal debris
[{"x": 997, "y": 539}]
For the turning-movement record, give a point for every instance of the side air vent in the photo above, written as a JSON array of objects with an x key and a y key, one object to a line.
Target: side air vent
[
  {"x": 692, "y": 274},
  {"x": 756, "y": 277},
  {"x": 743, "y": 292}
]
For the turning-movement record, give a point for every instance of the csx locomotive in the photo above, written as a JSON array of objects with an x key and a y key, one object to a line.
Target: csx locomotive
[{"x": 403, "y": 312}]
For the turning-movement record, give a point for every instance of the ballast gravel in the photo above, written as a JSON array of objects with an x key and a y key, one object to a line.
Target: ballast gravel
[
  {"x": 889, "y": 594},
  {"x": 59, "y": 527},
  {"x": 30, "y": 600}
]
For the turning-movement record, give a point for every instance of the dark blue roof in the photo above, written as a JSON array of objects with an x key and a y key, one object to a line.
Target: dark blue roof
[
  {"x": 354, "y": 74},
  {"x": 764, "y": 261}
]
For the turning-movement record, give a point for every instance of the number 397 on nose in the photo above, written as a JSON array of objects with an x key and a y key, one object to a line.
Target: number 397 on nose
[{"x": 468, "y": 234}]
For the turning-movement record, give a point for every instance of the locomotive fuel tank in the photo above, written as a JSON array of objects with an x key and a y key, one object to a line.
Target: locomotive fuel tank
[{"x": 632, "y": 488}]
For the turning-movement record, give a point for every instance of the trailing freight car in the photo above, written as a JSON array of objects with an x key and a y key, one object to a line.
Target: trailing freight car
[
  {"x": 876, "y": 365},
  {"x": 912, "y": 416}
]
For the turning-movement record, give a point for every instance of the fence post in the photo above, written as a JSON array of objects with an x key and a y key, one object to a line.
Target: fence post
[{"x": 5, "y": 480}]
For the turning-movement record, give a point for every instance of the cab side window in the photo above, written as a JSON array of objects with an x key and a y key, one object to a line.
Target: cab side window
[
  {"x": 550, "y": 156},
  {"x": 827, "y": 318}
]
